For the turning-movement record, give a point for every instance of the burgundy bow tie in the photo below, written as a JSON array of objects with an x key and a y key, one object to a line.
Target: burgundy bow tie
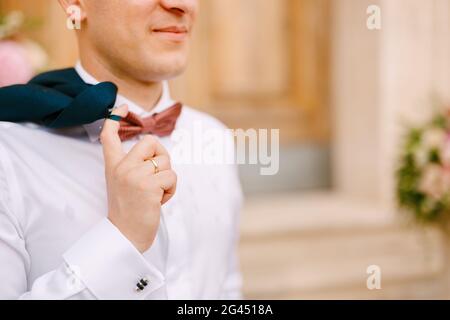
[{"x": 160, "y": 124}]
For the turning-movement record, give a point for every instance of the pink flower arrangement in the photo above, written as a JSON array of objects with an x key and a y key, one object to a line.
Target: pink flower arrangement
[
  {"x": 20, "y": 59},
  {"x": 423, "y": 177},
  {"x": 16, "y": 67}
]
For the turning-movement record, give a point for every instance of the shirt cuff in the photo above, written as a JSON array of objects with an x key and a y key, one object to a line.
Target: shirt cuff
[{"x": 110, "y": 266}]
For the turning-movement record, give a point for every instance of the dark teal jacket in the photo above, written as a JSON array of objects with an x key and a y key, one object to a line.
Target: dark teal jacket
[{"x": 57, "y": 99}]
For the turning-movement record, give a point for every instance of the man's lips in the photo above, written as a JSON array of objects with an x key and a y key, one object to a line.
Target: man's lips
[
  {"x": 172, "y": 29},
  {"x": 172, "y": 33}
]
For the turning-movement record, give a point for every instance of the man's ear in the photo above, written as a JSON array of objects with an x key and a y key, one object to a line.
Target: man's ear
[{"x": 74, "y": 9}]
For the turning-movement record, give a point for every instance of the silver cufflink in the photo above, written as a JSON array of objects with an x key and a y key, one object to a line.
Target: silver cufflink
[{"x": 140, "y": 286}]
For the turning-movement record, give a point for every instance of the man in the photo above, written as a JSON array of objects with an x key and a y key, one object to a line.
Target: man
[{"x": 155, "y": 228}]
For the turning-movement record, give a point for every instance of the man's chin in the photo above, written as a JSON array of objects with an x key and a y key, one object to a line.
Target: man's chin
[
  {"x": 161, "y": 75},
  {"x": 166, "y": 70}
]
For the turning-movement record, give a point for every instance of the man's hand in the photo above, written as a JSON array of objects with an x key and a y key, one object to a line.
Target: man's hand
[{"x": 135, "y": 191}]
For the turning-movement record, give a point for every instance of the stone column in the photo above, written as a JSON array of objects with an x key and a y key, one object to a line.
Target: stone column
[
  {"x": 414, "y": 67},
  {"x": 383, "y": 79}
]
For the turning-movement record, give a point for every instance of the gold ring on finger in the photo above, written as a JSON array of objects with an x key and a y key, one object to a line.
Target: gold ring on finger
[{"x": 155, "y": 165}]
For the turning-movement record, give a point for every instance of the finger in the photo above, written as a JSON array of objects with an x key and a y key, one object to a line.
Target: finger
[
  {"x": 148, "y": 148},
  {"x": 168, "y": 182},
  {"x": 109, "y": 137}
]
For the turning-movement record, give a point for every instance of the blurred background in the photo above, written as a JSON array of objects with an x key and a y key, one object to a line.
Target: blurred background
[{"x": 338, "y": 92}]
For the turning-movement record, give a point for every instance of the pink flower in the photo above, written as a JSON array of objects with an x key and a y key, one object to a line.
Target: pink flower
[
  {"x": 434, "y": 138},
  {"x": 15, "y": 65},
  {"x": 445, "y": 152},
  {"x": 435, "y": 181}
]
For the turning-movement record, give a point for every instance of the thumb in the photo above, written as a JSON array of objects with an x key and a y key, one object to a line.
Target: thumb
[{"x": 109, "y": 137}]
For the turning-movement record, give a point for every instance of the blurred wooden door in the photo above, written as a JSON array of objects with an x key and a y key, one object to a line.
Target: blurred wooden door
[
  {"x": 254, "y": 63},
  {"x": 263, "y": 64}
]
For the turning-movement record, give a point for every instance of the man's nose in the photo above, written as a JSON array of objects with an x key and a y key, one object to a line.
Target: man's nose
[{"x": 180, "y": 6}]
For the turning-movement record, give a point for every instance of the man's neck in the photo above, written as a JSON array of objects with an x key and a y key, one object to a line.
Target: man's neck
[{"x": 144, "y": 94}]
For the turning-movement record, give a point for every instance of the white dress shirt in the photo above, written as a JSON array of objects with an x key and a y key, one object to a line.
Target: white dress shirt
[{"x": 57, "y": 243}]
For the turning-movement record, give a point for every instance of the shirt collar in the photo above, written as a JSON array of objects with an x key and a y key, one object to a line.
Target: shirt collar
[{"x": 93, "y": 129}]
